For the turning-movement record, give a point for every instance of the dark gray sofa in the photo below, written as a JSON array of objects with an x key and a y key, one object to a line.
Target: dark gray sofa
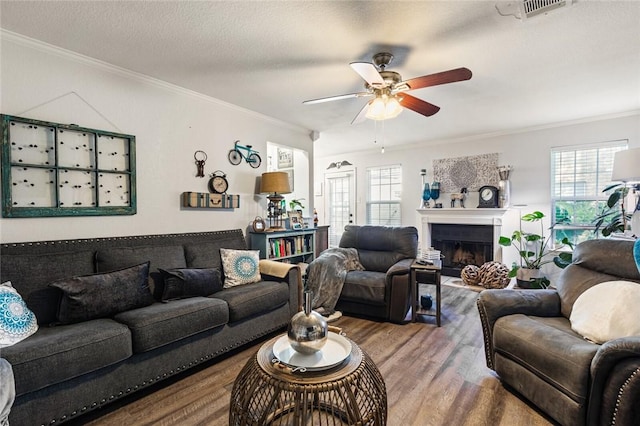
[
  {"x": 63, "y": 371},
  {"x": 530, "y": 344},
  {"x": 382, "y": 290}
]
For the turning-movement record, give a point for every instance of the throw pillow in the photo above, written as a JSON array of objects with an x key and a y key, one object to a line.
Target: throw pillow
[
  {"x": 607, "y": 311},
  {"x": 240, "y": 267},
  {"x": 636, "y": 253},
  {"x": 102, "y": 295},
  {"x": 17, "y": 322},
  {"x": 183, "y": 283}
]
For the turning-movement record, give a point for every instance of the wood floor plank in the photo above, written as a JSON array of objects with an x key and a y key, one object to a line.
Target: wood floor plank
[{"x": 434, "y": 376}]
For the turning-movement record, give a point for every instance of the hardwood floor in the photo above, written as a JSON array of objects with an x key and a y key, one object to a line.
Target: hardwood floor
[{"x": 434, "y": 376}]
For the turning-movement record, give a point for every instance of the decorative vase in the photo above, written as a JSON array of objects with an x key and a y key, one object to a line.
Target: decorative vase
[
  {"x": 528, "y": 278},
  {"x": 504, "y": 198},
  {"x": 307, "y": 330},
  {"x": 426, "y": 196}
]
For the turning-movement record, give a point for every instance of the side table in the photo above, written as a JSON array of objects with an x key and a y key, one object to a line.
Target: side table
[
  {"x": 436, "y": 270},
  {"x": 265, "y": 393}
]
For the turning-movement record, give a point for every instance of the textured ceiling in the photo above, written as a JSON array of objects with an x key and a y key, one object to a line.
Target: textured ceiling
[{"x": 573, "y": 63}]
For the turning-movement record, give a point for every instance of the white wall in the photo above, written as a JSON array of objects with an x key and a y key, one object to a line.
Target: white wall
[
  {"x": 528, "y": 152},
  {"x": 170, "y": 124}
]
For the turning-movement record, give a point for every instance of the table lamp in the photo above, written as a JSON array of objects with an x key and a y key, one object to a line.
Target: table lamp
[
  {"x": 626, "y": 169},
  {"x": 275, "y": 184}
]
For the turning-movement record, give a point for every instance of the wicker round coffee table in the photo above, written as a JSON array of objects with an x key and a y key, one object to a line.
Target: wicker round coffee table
[{"x": 268, "y": 393}]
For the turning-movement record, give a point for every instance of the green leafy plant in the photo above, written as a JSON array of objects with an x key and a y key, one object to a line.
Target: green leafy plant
[
  {"x": 564, "y": 259},
  {"x": 533, "y": 248},
  {"x": 613, "y": 217},
  {"x": 295, "y": 203}
]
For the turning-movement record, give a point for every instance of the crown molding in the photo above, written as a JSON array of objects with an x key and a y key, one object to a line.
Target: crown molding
[{"x": 41, "y": 46}]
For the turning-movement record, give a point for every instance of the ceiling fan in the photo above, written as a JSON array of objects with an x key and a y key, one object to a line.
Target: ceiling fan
[{"x": 390, "y": 91}]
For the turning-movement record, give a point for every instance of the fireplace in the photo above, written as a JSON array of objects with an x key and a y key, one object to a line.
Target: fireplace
[
  {"x": 465, "y": 236},
  {"x": 462, "y": 245}
]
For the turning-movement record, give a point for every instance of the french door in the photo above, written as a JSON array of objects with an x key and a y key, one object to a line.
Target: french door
[{"x": 341, "y": 203}]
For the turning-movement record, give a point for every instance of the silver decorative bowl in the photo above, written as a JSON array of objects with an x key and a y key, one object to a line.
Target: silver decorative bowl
[{"x": 307, "y": 330}]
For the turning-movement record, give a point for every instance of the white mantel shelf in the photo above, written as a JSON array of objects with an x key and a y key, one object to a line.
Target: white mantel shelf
[
  {"x": 467, "y": 216},
  {"x": 461, "y": 216}
]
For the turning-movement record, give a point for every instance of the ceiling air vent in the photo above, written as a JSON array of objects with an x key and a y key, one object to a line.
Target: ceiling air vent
[
  {"x": 524, "y": 9},
  {"x": 535, "y": 7}
]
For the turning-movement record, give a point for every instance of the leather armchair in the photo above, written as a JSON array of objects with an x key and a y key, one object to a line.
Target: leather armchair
[
  {"x": 382, "y": 290},
  {"x": 530, "y": 344}
]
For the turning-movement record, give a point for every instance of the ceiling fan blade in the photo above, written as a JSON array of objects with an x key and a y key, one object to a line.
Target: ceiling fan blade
[
  {"x": 337, "y": 98},
  {"x": 368, "y": 72},
  {"x": 444, "y": 77},
  {"x": 418, "y": 105},
  {"x": 362, "y": 115}
]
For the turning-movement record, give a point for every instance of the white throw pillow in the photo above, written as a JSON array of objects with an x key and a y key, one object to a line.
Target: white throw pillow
[
  {"x": 240, "y": 267},
  {"x": 607, "y": 311},
  {"x": 17, "y": 322}
]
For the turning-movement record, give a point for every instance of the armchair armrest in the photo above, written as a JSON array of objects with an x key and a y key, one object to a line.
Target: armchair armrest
[
  {"x": 494, "y": 304},
  {"x": 399, "y": 290},
  {"x": 270, "y": 270},
  {"x": 615, "y": 383},
  {"x": 399, "y": 268}
]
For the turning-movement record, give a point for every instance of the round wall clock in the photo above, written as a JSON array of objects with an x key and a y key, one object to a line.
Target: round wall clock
[
  {"x": 488, "y": 197},
  {"x": 218, "y": 182}
]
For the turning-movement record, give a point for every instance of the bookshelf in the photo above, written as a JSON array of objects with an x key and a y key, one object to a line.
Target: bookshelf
[{"x": 286, "y": 246}]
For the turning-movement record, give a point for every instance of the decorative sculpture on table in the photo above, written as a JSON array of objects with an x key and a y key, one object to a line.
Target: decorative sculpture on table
[
  {"x": 307, "y": 331},
  {"x": 460, "y": 197}
]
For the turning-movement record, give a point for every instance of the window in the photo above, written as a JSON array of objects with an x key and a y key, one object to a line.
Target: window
[
  {"x": 383, "y": 198},
  {"x": 51, "y": 169},
  {"x": 578, "y": 176}
]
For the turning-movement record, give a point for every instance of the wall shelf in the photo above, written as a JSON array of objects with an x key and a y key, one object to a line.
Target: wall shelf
[{"x": 206, "y": 200}]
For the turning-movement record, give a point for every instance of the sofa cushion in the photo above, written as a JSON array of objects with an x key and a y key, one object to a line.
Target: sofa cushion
[
  {"x": 102, "y": 295},
  {"x": 366, "y": 286},
  {"x": 163, "y": 256},
  {"x": 163, "y": 323},
  {"x": 207, "y": 255},
  {"x": 254, "y": 299},
  {"x": 380, "y": 247},
  {"x": 240, "y": 267},
  {"x": 594, "y": 262},
  {"x": 549, "y": 348},
  {"x": 607, "y": 311},
  {"x": 190, "y": 282},
  {"x": 31, "y": 274},
  {"x": 17, "y": 322},
  {"x": 56, "y": 354}
]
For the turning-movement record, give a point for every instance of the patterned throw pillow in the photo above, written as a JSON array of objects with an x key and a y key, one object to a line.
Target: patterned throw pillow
[
  {"x": 240, "y": 267},
  {"x": 17, "y": 322}
]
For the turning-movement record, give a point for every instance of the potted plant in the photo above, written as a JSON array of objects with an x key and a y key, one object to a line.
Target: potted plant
[
  {"x": 533, "y": 251},
  {"x": 613, "y": 217}
]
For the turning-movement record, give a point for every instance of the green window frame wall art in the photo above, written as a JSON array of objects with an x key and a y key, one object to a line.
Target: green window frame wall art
[{"x": 51, "y": 169}]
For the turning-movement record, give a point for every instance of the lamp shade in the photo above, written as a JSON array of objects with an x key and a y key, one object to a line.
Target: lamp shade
[
  {"x": 275, "y": 182},
  {"x": 626, "y": 166}
]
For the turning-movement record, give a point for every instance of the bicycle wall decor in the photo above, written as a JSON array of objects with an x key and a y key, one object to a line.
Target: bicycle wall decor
[{"x": 250, "y": 155}]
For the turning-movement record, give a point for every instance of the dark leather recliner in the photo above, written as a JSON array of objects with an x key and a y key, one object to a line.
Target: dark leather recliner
[
  {"x": 382, "y": 290},
  {"x": 530, "y": 344}
]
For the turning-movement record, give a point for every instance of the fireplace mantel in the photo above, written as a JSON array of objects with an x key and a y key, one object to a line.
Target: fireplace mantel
[{"x": 462, "y": 216}]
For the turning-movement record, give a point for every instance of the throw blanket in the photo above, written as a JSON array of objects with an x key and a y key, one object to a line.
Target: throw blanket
[
  {"x": 7, "y": 391},
  {"x": 326, "y": 275}
]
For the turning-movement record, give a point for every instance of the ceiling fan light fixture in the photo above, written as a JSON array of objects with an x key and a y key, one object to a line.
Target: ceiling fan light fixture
[
  {"x": 392, "y": 108},
  {"x": 384, "y": 107}
]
